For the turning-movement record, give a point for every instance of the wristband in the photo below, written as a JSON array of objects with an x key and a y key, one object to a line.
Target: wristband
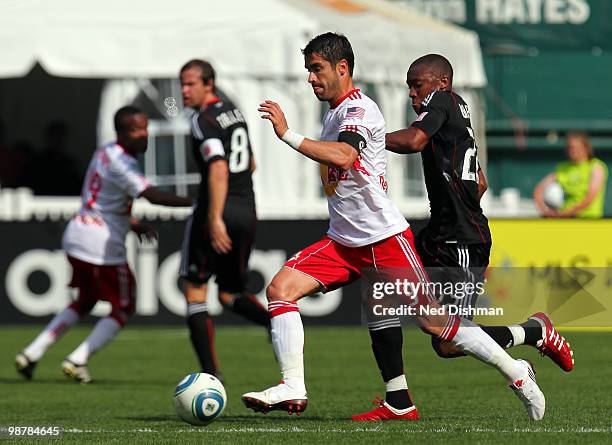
[{"x": 293, "y": 139}]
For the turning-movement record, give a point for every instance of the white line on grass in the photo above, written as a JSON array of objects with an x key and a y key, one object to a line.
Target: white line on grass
[{"x": 581, "y": 430}]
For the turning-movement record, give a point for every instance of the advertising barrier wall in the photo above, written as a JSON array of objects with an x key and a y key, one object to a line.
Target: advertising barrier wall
[
  {"x": 559, "y": 266},
  {"x": 34, "y": 273}
]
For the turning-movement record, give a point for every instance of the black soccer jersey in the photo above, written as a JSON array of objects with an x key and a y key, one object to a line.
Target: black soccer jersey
[
  {"x": 450, "y": 166},
  {"x": 219, "y": 131}
]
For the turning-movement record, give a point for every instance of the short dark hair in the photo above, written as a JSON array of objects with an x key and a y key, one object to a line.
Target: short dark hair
[
  {"x": 333, "y": 48},
  {"x": 207, "y": 72},
  {"x": 123, "y": 113},
  {"x": 437, "y": 63}
]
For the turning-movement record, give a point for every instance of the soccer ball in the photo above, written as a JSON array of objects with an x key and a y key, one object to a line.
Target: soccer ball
[
  {"x": 199, "y": 398},
  {"x": 554, "y": 196}
]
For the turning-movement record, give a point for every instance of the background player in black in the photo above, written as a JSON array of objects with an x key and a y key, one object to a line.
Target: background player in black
[
  {"x": 456, "y": 243},
  {"x": 219, "y": 234}
]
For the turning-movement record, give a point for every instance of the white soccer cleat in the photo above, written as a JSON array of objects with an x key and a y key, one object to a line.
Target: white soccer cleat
[
  {"x": 280, "y": 397},
  {"x": 530, "y": 394},
  {"x": 79, "y": 373}
]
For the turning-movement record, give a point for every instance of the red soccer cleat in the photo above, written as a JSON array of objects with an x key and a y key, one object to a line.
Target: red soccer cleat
[
  {"x": 385, "y": 412},
  {"x": 554, "y": 345}
]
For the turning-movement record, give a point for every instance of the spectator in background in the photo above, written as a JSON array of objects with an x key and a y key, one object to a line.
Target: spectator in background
[
  {"x": 55, "y": 172},
  {"x": 582, "y": 178}
]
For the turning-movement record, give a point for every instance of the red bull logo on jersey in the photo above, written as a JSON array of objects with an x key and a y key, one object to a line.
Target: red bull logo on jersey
[{"x": 359, "y": 167}]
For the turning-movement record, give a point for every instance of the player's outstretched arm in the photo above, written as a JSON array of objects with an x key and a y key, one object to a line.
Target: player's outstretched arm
[
  {"x": 157, "y": 196},
  {"x": 407, "y": 140},
  {"x": 333, "y": 154}
]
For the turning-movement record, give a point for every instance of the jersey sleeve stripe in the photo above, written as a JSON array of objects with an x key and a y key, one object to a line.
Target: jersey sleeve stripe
[
  {"x": 356, "y": 128},
  {"x": 195, "y": 127},
  {"x": 428, "y": 98}
]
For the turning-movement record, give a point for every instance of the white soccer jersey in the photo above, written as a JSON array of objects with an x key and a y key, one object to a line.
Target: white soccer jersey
[
  {"x": 360, "y": 211},
  {"x": 97, "y": 234}
]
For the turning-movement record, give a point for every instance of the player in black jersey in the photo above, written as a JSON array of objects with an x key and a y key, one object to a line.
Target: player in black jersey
[
  {"x": 456, "y": 243},
  {"x": 219, "y": 234}
]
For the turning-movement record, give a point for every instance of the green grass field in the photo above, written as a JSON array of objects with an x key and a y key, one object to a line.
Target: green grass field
[{"x": 460, "y": 401}]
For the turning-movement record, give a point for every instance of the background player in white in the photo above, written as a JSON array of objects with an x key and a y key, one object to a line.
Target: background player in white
[
  {"x": 94, "y": 242},
  {"x": 366, "y": 231}
]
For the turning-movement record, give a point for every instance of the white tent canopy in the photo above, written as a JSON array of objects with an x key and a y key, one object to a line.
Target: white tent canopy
[
  {"x": 255, "y": 48},
  {"x": 144, "y": 38},
  {"x": 150, "y": 39}
]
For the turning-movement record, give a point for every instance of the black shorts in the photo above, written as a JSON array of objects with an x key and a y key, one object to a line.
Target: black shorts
[
  {"x": 199, "y": 261},
  {"x": 459, "y": 269}
]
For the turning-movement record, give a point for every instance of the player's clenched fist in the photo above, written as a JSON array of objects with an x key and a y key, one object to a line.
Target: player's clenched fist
[{"x": 273, "y": 112}]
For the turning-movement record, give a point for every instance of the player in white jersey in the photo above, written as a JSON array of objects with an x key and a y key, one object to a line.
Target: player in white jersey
[
  {"x": 372, "y": 235},
  {"x": 94, "y": 242},
  {"x": 356, "y": 120}
]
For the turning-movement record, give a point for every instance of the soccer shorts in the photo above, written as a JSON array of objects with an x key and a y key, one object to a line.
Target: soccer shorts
[
  {"x": 456, "y": 266},
  {"x": 334, "y": 265},
  {"x": 199, "y": 261},
  {"x": 112, "y": 283}
]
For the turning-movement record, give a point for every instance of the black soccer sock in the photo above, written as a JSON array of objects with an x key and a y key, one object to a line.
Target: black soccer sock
[
  {"x": 387, "y": 347},
  {"x": 533, "y": 332},
  {"x": 249, "y": 308},
  {"x": 501, "y": 334},
  {"x": 202, "y": 336},
  {"x": 399, "y": 399}
]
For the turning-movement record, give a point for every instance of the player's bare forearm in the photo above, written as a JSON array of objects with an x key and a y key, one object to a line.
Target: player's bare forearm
[
  {"x": 332, "y": 154},
  {"x": 218, "y": 179},
  {"x": 406, "y": 141},
  {"x": 157, "y": 196}
]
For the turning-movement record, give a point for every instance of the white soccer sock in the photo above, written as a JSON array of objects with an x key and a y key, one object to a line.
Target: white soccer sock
[
  {"x": 288, "y": 341},
  {"x": 396, "y": 384},
  {"x": 471, "y": 339},
  {"x": 104, "y": 331},
  {"x": 52, "y": 332},
  {"x": 518, "y": 334}
]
